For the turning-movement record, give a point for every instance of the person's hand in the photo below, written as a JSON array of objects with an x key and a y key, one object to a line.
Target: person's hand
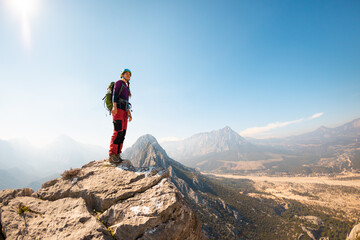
[{"x": 114, "y": 110}]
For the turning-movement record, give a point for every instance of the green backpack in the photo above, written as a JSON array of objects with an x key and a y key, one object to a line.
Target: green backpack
[{"x": 108, "y": 96}]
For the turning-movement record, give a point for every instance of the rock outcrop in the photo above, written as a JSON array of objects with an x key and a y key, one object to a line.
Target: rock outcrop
[
  {"x": 100, "y": 201},
  {"x": 355, "y": 233}
]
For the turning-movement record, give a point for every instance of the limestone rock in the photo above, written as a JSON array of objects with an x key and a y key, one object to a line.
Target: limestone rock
[
  {"x": 102, "y": 185},
  {"x": 312, "y": 219},
  {"x": 8, "y": 194},
  {"x": 100, "y": 201},
  {"x": 309, "y": 231},
  {"x": 65, "y": 218}
]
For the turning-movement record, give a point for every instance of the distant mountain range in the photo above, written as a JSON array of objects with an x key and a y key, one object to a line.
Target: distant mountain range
[
  {"x": 323, "y": 150},
  {"x": 344, "y": 134}
]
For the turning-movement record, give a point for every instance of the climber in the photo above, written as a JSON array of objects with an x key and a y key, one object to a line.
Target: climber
[{"x": 121, "y": 113}]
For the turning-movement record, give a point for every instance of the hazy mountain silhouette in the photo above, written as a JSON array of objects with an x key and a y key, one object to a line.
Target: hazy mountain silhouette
[
  {"x": 221, "y": 140},
  {"x": 218, "y": 150},
  {"x": 225, "y": 150},
  {"x": 27, "y": 163},
  {"x": 7, "y": 180},
  {"x": 343, "y": 134}
]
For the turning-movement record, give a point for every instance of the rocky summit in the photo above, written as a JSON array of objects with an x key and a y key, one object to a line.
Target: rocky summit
[{"x": 100, "y": 201}]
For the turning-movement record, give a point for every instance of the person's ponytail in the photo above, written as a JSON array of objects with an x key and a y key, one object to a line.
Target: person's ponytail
[{"x": 129, "y": 88}]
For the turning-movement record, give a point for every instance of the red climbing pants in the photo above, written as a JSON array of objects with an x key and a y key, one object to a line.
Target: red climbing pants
[{"x": 120, "y": 120}]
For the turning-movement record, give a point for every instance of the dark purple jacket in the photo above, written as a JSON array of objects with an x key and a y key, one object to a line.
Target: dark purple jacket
[{"x": 124, "y": 93}]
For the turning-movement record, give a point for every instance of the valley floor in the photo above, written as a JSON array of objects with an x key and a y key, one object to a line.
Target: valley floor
[
  {"x": 348, "y": 179},
  {"x": 340, "y": 193}
]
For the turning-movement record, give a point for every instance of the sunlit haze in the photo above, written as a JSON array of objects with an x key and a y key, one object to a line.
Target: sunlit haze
[{"x": 264, "y": 68}]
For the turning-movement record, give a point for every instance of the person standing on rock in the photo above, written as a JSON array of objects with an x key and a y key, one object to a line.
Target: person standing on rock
[{"x": 121, "y": 113}]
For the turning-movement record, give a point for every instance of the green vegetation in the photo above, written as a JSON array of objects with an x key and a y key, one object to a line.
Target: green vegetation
[
  {"x": 111, "y": 232},
  {"x": 97, "y": 214},
  {"x": 332, "y": 227},
  {"x": 243, "y": 185},
  {"x": 337, "y": 189},
  {"x": 305, "y": 194},
  {"x": 295, "y": 165},
  {"x": 22, "y": 209}
]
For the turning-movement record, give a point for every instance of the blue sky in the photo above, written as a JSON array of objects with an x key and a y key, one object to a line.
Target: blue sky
[{"x": 264, "y": 68}]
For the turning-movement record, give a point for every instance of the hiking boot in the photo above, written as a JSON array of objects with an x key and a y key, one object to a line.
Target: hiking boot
[
  {"x": 120, "y": 159},
  {"x": 115, "y": 159}
]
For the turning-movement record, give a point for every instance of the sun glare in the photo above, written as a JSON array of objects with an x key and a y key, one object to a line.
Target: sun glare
[
  {"x": 23, "y": 7},
  {"x": 24, "y": 10}
]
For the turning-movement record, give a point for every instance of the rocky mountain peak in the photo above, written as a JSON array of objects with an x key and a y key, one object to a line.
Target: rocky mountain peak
[
  {"x": 100, "y": 201},
  {"x": 147, "y": 138},
  {"x": 146, "y": 151},
  {"x": 193, "y": 150},
  {"x": 228, "y": 133},
  {"x": 322, "y": 129},
  {"x": 142, "y": 143},
  {"x": 224, "y": 138},
  {"x": 226, "y": 129}
]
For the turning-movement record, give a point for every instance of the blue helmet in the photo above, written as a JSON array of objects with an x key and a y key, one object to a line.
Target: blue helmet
[{"x": 124, "y": 71}]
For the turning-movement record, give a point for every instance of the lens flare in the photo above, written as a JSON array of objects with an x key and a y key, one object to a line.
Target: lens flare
[{"x": 24, "y": 10}]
